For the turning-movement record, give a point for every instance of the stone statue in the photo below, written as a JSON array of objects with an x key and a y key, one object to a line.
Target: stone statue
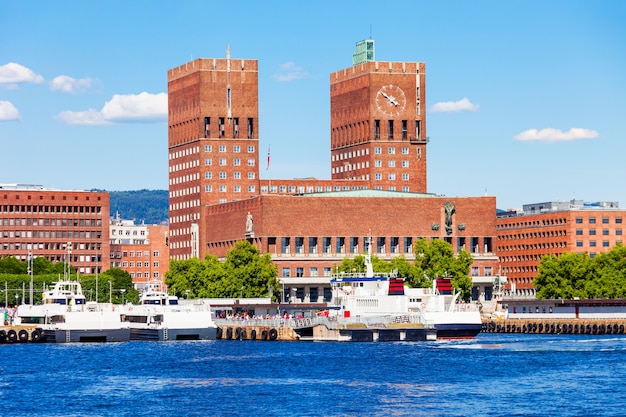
[
  {"x": 249, "y": 224},
  {"x": 450, "y": 209}
]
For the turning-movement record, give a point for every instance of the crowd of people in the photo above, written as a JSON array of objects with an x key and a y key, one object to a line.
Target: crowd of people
[{"x": 10, "y": 314}]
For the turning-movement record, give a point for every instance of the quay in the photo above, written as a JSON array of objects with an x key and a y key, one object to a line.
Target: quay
[
  {"x": 555, "y": 326},
  {"x": 20, "y": 334},
  {"x": 320, "y": 328}
]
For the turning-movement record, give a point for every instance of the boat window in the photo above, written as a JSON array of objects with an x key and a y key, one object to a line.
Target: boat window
[
  {"x": 60, "y": 301},
  {"x": 173, "y": 302}
]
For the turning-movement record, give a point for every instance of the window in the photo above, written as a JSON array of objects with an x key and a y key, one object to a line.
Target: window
[
  {"x": 237, "y": 188},
  {"x": 405, "y": 164},
  {"x": 378, "y": 163},
  {"x": 391, "y": 164},
  {"x": 222, "y": 175},
  {"x": 208, "y": 161},
  {"x": 418, "y": 133},
  {"x": 235, "y": 127},
  {"x": 236, "y": 162},
  {"x": 579, "y": 232},
  {"x": 592, "y": 220},
  {"x": 285, "y": 241},
  {"x": 408, "y": 245},
  {"x": 392, "y": 177},
  {"x": 605, "y": 220},
  {"x": 605, "y": 244},
  {"x": 251, "y": 175},
  {"x": 223, "y": 188},
  {"x": 618, "y": 220},
  {"x": 208, "y": 188},
  {"x": 378, "y": 176},
  {"x": 250, "y": 148},
  {"x": 300, "y": 273},
  {"x": 286, "y": 272},
  {"x": 313, "y": 272},
  {"x": 405, "y": 177},
  {"x": 605, "y": 232},
  {"x": 404, "y": 131},
  {"x": 312, "y": 244},
  {"x": 222, "y": 162},
  {"x": 592, "y": 232},
  {"x": 579, "y": 243},
  {"x": 592, "y": 243},
  {"x": 236, "y": 148},
  {"x": 391, "y": 150},
  {"x": 250, "y": 162},
  {"x": 221, "y": 127},
  {"x": 208, "y": 148},
  {"x": 155, "y": 254},
  {"x": 207, "y": 127},
  {"x": 405, "y": 151},
  {"x": 222, "y": 148},
  {"x": 237, "y": 175},
  {"x": 376, "y": 129},
  {"x": 579, "y": 220},
  {"x": 250, "y": 188},
  {"x": 390, "y": 129},
  {"x": 378, "y": 150},
  {"x": 250, "y": 128},
  {"x": 208, "y": 175}
]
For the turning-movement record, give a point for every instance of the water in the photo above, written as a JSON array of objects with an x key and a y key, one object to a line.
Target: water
[{"x": 492, "y": 375}]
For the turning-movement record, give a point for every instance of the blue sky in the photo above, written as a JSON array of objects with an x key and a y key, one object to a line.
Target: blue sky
[{"x": 526, "y": 99}]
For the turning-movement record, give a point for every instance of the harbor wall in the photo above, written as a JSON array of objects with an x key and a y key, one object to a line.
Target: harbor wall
[{"x": 555, "y": 326}]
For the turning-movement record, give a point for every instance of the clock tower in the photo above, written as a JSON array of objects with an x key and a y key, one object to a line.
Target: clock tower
[{"x": 378, "y": 122}]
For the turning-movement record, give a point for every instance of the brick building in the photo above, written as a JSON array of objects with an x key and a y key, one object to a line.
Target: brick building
[
  {"x": 59, "y": 225},
  {"x": 552, "y": 228},
  {"x": 378, "y": 175},
  {"x": 141, "y": 250}
]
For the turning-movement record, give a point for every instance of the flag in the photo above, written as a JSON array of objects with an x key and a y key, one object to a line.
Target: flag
[{"x": 268, "y": 158}]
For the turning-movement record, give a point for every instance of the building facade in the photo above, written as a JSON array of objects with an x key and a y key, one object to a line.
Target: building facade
[
  {"x": 60, "y": 225},
  {"x": 552, "y": 228},
  {"x": 141, "y": 250},
  {"x": 378, "y": 179},
  {"x": 212, "y": 144}
]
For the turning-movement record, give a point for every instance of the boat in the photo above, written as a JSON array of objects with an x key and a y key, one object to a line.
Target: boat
[
  {"x": 66, "y": 317},
  {"x": 160, "y": 316},
  {"x": 385, "y": 294}
]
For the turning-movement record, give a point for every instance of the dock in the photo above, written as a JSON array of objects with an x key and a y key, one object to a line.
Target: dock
[
  {"x": 556, "y": 326},
  {"x": 20, "y": 334},
  {"x": 317, "y": 329}
]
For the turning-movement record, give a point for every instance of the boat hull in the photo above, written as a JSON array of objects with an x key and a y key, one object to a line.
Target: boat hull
[
  {"x": 163, "y": 334},
  {"x": 86, "y": 335},
  {"x": 458, "y": 330}
]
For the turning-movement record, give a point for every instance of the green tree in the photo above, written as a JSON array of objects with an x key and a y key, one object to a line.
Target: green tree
[
  {"x": 436, "y": 259},
  {"x": 244, "y": 273}
]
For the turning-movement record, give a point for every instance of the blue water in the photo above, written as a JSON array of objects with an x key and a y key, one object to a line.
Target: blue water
[{"x": 492, "y": 375}]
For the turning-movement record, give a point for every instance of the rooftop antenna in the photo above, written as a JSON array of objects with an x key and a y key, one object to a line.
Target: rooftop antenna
[{"x": 370, "y": 31}]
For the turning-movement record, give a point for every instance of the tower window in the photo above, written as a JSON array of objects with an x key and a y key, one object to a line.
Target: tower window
[
  {"x": 390, "y": 129},
  {"x": 404, "y": 130},
  {"x": 207, "y": 127},
  {"x": 221, "y": 126},
  {"x": 376, "y": 129},
  {"x": 250, "y": 128},
  {"x": 236, "y": 127}
]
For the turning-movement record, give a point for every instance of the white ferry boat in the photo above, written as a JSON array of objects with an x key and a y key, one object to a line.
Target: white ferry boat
[
  {"x": 368, "y": 294},
  {"x": 66, "y": 317},
  {"x": 160, "y": 316}
]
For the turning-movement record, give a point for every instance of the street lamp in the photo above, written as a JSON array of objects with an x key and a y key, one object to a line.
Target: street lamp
[{"x": 123, "y": 291}]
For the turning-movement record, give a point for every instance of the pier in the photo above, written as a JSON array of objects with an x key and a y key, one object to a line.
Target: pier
[
  {"x": 556, "y": 326},
  {"x": 379, "y": 329},
  {"x": 20, "y": 334}
]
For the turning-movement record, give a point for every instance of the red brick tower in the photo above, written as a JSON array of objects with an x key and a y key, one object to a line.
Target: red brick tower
[
  {"x": 378, "y": 122},
  {"x": 212, "y": 142}
]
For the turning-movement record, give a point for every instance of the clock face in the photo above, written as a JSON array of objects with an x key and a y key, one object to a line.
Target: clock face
[{"x": 390, "y": 100}]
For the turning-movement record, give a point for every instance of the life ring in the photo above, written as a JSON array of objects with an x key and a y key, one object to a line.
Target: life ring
[
  {"x": 253, "y": 335},
  {"x": 11, "y": 336},
  {"x": 273, "y": 334},
  {"x": 35, "y": 336},
  {"x": 23, "y": 336},
  {"x": 264, "y": 334},
  {"x": 218, "y": 333},
  {"x": 229, "y": 333}
]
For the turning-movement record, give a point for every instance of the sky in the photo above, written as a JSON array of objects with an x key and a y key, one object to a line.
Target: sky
[{"x": 526, "y": 100}]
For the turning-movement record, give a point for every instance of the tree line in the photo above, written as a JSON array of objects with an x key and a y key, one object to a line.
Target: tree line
[{"x": 572, "y": 275}]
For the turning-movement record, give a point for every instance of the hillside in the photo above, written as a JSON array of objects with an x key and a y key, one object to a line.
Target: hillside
[{"x": 147, "y": 206}]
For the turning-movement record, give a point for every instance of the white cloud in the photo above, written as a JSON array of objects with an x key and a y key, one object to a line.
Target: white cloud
[
  {"x": 454, "y": 106},
  {"x": 289, "y": 72},
  {"x": 142, "y": 107},
  {"x": 12, "y": 74},
  {"x": 555, "y": 135},
  {"x": 66, "y": 84},
  {"x": 8, "y": 111}
]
